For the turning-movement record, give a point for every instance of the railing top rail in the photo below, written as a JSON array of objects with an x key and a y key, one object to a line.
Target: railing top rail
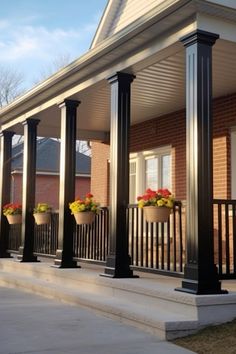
[{"x": 225, "y": 201}]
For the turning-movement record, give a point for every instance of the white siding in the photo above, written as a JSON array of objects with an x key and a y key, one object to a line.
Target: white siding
[{"x": 129, "y": 11}]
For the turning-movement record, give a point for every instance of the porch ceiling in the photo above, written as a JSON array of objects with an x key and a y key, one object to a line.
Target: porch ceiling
[{"x": 158, "y": 89}]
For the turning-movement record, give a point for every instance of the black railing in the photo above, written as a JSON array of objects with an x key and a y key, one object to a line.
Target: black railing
[
  {"x": 46, "y": 237},
  {"x": 156, "y": 246},
  {"x": 14, "y": 240},
  {"x": 225, "y": 237},
  {"x": 91, "y": 241}
]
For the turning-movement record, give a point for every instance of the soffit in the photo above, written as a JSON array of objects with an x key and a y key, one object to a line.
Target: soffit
[{"x": 157, "y": 90}]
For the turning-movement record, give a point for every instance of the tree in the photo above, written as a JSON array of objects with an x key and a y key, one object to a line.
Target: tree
[
  {"x": 58, "y": 63},
  {"x": 11, "y": 81}
]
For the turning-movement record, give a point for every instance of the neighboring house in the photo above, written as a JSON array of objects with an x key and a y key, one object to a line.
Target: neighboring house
[
  {"x": 47, "y": 174},
  {"x": 147, "y": 76}
]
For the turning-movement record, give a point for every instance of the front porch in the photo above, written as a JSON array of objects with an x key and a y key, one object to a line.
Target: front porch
[{"x": 133, "y": 79}]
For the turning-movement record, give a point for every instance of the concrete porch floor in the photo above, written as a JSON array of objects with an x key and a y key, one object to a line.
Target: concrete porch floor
[{"x": 149, "y": 302}]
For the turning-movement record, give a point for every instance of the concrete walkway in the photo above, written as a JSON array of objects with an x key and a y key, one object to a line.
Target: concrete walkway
[{"x": 30, "y": 324}]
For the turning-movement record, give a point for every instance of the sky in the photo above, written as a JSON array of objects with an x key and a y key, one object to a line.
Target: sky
[{"x": 34, "y": 33}]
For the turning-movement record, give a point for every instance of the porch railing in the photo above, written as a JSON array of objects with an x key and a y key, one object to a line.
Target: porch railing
[
  {"x": 152, "y": 246},
  {"x": 46, "y": 237},
  {"x": 91, "y": 241},
  {"x": 14, "y": 240},
  {"x": 225, "y": 237},
  {"x": 156, "y": 246}
]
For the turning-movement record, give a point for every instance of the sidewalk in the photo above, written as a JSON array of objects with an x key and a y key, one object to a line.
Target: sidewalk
[{"x": 35, "y": 325}]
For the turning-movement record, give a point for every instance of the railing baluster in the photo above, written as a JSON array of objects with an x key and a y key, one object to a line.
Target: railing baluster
[
  {"x": 136, "y": 237},
  {"x": 227, "y": 251},
  {"x": 157, "y": 246},
  {"x": 174, "y": 237},
  {"x": 220, "y": 238},
  {"x": 151, "y": 244},
  {"x": 146, "y": 244},
  {"x": 103, "y": 238},
  {"x": 168, "y": 245},
  {"x": 234, "y": 235},
  {"x": 131, "y": 211},
  {"x": 162, "y": 246},
  {"x": 142, "y": 236},
  {"x": 180, "y": 238}
]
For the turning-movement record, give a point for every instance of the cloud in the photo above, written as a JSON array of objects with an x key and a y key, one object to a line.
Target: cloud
[
  {"x": 28, "y": 41},
  {"x": 3, "y": 24},
  {"x": 31, "y": 47}
]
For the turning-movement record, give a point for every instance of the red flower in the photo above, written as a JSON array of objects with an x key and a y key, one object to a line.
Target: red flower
[
  {"x": 89, "y": 195},
  {"x": 165, "y": 193}
]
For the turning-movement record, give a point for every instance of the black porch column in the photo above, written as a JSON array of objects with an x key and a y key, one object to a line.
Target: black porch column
[
  {"x": 28, "y": 191},
  {"x": 64, "y": 255},
  {"x": 5, "y": 187},
  {"x": 200, "y": 272},
  {"x": 118, "y": 261}
]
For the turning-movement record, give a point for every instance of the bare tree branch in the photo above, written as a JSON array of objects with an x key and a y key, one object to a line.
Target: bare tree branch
[
  {"x": 10, "y": 85},
  {"x": 58, "y": 63}
]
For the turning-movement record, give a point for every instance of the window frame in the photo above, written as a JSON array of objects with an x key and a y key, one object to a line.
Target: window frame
[{"x": 140, "y": 159}]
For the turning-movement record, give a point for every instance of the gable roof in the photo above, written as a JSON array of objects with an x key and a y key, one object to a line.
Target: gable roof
[
  {"x": 120, "y": 13},
  {"x": 48, "y": 158}
]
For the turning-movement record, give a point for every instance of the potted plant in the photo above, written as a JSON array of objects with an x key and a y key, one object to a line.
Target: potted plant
[
  {"x": 84, "y": 210},
  {"x": 42, "y": 214},
  {"x": 157, "y": 205},
  {"x": 13, "y": 212}
]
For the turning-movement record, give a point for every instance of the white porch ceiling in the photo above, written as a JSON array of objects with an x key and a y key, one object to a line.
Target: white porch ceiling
[{"x": 157, "y": 90}]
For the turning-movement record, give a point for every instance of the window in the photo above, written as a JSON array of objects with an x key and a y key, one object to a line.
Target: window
[
  {"x": 132, "y": 182},
  {"x": 151, "y": 173},
  {"x": 149, "y": 169}
]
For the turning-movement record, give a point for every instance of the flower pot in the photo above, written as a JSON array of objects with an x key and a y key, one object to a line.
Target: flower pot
[
  {"x": 42, "y": 218},
  {"x": 156, "y": 214},
  {"x": 84, "y": 217},
  {"x": 14, "y": 219}
]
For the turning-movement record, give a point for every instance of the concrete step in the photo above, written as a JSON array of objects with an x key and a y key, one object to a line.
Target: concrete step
[
  {"x": 156, "y": 291},
  {"x": 148, "y": 302},
  {"x": 158, "y": 320}
]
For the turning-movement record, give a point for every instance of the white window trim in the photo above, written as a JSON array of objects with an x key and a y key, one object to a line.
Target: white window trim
[{"x": 140, "y": 158}]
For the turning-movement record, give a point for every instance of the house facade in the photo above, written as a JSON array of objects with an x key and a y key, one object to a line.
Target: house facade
[
  {"x": 155, "y": 94},
  {"x": 158, "y": 147}
]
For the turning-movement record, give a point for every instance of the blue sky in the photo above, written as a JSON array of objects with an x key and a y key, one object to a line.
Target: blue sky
[{"x": 33, "y": 33}]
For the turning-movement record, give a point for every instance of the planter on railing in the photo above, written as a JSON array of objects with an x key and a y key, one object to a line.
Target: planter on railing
[
  {"x": 85, "y": 217},
  {"x": 14, "y": 219},
  {"x": 156, "y": 214},
  {"x": 42, "y": 218}
]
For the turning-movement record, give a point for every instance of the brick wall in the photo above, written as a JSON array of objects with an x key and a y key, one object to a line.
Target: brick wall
[
  {"x": 224, "y": 113},
  {"x": 170, "y": 130},
  {"x": 100, "y": 172},
  {"x": 47, "y": 188}
]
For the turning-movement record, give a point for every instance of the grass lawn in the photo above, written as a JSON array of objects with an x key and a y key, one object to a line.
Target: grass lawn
[{"x": 212, "y": 340}]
